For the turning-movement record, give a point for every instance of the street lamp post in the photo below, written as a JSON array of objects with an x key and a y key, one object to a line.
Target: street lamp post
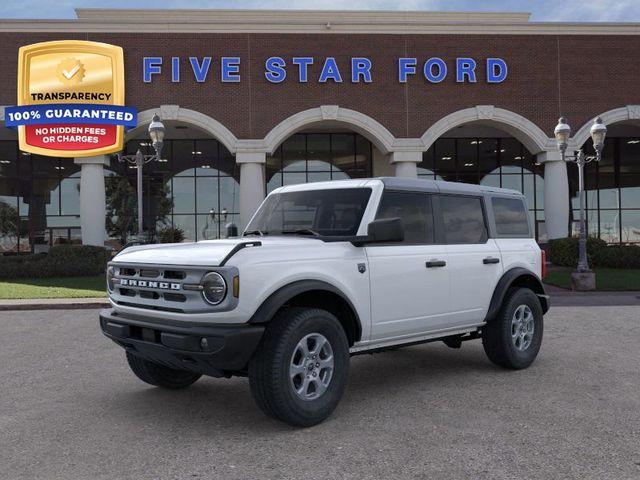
[
  {"x": 598, "y": 132},
  {"x": 156, "y": 133}
]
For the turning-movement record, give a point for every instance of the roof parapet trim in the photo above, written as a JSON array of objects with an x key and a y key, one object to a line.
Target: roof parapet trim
[
  {"x": 258, "y": 16},
  {"x": 97, "y": 20}
]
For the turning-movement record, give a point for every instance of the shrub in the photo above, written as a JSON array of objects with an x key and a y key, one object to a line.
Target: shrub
[
  {"x": 61, "y": 261},
  {"x": 564, "y": 252},
  {"x": 171, "y": 235},
  {"x": 618, "y": 256}
]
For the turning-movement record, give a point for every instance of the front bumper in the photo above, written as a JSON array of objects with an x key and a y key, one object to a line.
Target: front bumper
[{"x": 227, "y": 349}]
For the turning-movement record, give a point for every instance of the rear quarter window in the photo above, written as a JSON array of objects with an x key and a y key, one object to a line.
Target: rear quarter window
[
  {"x": 511, "y": 217},
  {"x": 463, "y": 219}
]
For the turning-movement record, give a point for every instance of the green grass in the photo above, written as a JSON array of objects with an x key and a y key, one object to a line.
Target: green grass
[
  {"x": 70, "y": 287},
  {"x": 607, "y": 279}
]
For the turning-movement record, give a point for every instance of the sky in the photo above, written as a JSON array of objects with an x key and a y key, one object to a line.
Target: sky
[{"x": 542, "y": 10}]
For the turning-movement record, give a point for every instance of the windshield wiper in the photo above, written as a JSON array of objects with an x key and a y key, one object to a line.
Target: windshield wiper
[
  {"x": 301, "y": 231},
  {"x": 255, "y": 232}
]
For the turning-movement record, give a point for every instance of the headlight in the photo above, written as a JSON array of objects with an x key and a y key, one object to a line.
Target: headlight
[
  {"x": 111, "y": 272},
  {"x": 214, "y": 288}
]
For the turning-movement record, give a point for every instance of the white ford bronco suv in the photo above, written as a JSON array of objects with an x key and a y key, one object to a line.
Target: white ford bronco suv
[{"x": 327, "y": 270}]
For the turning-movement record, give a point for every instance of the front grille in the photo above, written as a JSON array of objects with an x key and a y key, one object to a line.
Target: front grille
[
  {"x": 146, "y": 273},
  {"x": 149, "y": 294},
  {"x": 174, "y": 275},
  {"x": 155, "y": 287},
  {"x": 152, "y": 273}
]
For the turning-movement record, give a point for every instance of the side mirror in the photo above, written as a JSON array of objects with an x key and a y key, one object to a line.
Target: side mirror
[
  {"x": 232, "y": 230},
  {"x": 385, "y": 230}
]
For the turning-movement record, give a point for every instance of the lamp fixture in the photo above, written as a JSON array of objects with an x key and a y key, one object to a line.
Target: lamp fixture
[
  {"x": 598, "y": 133},
  {"x": 156, "y": 132}
]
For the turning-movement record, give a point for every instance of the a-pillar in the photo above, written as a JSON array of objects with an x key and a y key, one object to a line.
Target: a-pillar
[
  {"x": 406, "y": 163},
  {"x": 93, "y": 208},
  {"x": 556, "y": 194},
  {"x": 252, "y": 184}
]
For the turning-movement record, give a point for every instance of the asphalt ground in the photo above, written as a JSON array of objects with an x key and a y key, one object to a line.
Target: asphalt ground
[{"x": 71, "y": 409}]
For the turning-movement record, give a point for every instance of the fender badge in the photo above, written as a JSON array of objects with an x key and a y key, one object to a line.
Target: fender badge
[{"x": 362, "y": 267}]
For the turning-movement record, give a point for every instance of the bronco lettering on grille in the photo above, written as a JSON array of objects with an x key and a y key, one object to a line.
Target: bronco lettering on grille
[{"x": 129, "y": 282}]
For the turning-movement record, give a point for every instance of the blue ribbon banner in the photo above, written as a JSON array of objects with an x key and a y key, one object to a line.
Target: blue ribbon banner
[{"x": 70, "y": 113}]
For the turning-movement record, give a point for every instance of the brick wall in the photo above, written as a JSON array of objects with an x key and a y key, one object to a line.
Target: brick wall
[{"x": 578, "y": 76}]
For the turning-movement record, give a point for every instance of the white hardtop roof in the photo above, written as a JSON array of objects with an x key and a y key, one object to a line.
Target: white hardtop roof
[{"x": 399, "y": 183}]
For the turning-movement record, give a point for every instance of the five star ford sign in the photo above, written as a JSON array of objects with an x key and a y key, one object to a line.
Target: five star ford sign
[{"x": 70, "y": 99}]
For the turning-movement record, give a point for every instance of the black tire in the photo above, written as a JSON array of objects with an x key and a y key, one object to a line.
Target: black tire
[
  {"x": 497, "y": 334},
  {"x": 269, "y": 369},
  {"x": 159, "y": 375}
]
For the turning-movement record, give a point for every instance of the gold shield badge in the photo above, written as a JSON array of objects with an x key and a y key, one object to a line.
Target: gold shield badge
[{"x": 69, "y": 96}]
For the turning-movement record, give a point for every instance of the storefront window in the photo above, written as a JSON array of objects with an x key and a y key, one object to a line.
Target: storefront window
[
  {"x": 39, "y": 200},
  {"x": 612, "y": 192},
  {"x": 195, "y": 187},
  {"x": 318, "y": 157}
]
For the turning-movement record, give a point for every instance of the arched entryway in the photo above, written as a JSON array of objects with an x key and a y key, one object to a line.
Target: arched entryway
[
  {"x": 319, "y": 154},
  {"x": 194, "y": 188},
  {"x": 326, "y": 143},
  {"x": 488, "y": 156},
  {"x": 494, "y": 147}
]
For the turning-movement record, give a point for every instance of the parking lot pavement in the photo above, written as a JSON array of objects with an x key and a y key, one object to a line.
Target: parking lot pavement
[{"x": 70, "y": 409}]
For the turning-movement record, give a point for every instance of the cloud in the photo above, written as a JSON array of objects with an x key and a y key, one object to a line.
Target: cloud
[{"x": 595, "y": 11}]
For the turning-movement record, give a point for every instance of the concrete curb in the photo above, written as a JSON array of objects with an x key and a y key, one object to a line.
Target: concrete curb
[
  {"x": 559, "y": 298},
  {"x": 53, "y": 304}
]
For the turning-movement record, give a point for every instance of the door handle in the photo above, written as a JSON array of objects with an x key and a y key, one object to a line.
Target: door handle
[
  {"x": 490, "y": 260},
  {"x": 436, "y": 263}
]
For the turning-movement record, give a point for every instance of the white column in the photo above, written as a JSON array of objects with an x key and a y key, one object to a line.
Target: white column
[
  {"x": 252, "y": 184},
  {"x": 556, "y": 194},
  {"x": 406, "y": 163},
  {"x": 93, "y": 209}
]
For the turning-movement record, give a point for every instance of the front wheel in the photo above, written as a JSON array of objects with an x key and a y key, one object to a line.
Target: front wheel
[
  {"x": 159, "y": 375},
  {"x": 513, "y": 338},
  {"x": 299, "y": 372}
]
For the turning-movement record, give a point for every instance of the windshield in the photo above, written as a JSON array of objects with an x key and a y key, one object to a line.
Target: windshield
[{"x": 330, "y": 212}]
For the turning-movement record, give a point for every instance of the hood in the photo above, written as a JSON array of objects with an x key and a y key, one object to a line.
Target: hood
[{"x": 205, "y": 253}]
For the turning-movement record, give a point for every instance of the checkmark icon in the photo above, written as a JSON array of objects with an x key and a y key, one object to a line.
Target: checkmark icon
[{"x": 71, "y": 73}]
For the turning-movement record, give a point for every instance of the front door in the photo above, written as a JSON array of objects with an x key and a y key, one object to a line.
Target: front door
[{"x": 409, "y": 280}]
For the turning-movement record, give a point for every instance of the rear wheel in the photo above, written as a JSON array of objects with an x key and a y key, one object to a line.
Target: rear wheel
[
  {"x": 513, "y": 338},
  {"x": 299, "y": 372},
  {"x": 159, "y": 375}
]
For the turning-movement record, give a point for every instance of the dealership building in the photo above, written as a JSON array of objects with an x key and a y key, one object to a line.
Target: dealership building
[{"x": 253, "y": 100}]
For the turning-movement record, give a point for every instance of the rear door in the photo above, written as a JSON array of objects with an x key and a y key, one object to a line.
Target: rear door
[
  {"x": 514, "y": 233},
  {"x": 475, "y": 264},
  {"x": 409, "y": 280}
]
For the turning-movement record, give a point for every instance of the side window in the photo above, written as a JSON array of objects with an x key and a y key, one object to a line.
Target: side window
[
  {"x": 463, "y": 219},
  {"x": 415, "y": 211},
  {"x": 511, "y": 217}
]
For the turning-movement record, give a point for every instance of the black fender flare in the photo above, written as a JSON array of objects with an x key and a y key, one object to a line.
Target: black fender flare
[
  {"x": 520, "y": 277},
  {"x": 280, "y": 297}
]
